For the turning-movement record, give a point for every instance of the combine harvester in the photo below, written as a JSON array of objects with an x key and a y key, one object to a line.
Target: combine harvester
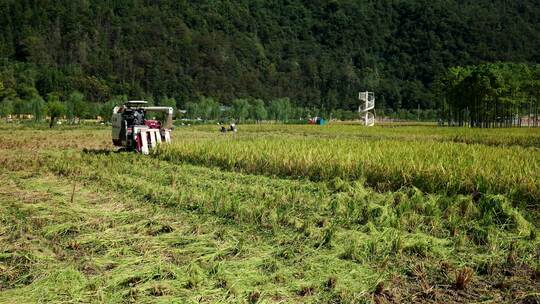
[
  {"x": 367, "y": 104},
  {"x": 133, "y": 131}
]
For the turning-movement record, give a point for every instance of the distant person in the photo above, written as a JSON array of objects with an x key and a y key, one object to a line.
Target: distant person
[{"x": 232, "y": 128}]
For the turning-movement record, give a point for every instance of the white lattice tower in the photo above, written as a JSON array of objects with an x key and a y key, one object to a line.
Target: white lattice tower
[{"x": 367, "y": 103}]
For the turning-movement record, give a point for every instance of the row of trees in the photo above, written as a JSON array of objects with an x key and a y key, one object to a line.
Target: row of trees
[
  {"x": 491, "y": 95},
  {"x": 20, "y": 96},
  {"x": 487, "y": 95},
  {"x": 281, "y": 109},
  {"x": 75, "y": 107}
]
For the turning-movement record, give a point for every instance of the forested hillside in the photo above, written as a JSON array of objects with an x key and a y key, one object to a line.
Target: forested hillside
[{"x": 317, "y": 53}]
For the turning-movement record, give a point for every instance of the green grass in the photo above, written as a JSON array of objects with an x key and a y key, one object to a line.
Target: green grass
[{"x": 157, "y": 229}]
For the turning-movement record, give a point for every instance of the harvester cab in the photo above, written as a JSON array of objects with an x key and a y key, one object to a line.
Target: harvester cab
[{"x": 133, "y": 130}]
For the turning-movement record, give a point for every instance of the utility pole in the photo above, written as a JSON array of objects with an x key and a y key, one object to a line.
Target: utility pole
[{"x": 418, "y": 113}]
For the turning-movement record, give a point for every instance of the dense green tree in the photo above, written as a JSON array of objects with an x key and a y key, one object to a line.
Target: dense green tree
[
  {"x": 106, "y": 109},
  {"x": 489, "y": 95},
  {"x": 38, "y": 107},
  {"x": 240, "y": 109},
  {"x": 208, "y": 108},
  {"x": 280, "y": 109},
  {"x": 6, "y": 108},
  {"x": 20, "y": 107},
  {"x": 167, "y": 102},
  {"x": 193, "y": 110},
  {"x": 258, "y": 110},
  {"x": 55, "y": 109},
  {"x": 53, "y": 97},
  {"x": 76, "y": 106}
]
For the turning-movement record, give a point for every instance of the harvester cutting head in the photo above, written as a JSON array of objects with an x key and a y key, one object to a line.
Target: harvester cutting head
[{"x": 132, "y": 130}]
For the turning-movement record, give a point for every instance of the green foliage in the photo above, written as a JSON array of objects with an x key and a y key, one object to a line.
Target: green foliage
[
  {"x": 317, "y": 54},
  {"x": 253, "y": 110},
  {"x": 258, "y": 110},
  {"x": 38, "y": 107},
  {"x": 192, "y": 110},
  {"x": 53, "y": 97},
  {"x": 240, "y": 109},
  {"x": 55, "y": 109},
  {"x": 9, "y": 94},
  {"x": 206, "y": 108},
  {"x": 76, "y": 107},
  {"x": 20, "y": 106},
  {"x": 280, "y": 109},
  {"x": 491, "y": 95},
  {"x": 26, "y": 91},
  {"x": 6, "y": 107},
  {"x": 105, "y": 111},
  {"x": 167, "y": 102}
]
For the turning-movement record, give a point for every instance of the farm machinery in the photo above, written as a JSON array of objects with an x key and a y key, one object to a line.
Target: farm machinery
[{"x": 133, "y": 130}]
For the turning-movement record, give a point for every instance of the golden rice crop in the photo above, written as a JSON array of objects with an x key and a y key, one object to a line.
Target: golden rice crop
[
  {"x": 525, "y": 137},
  {"x": 432, "y": 166}
]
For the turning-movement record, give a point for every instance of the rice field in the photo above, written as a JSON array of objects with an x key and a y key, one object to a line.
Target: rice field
[
  {"x": 271, "y": 214},
  {"x": 386, "y": 164}
]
